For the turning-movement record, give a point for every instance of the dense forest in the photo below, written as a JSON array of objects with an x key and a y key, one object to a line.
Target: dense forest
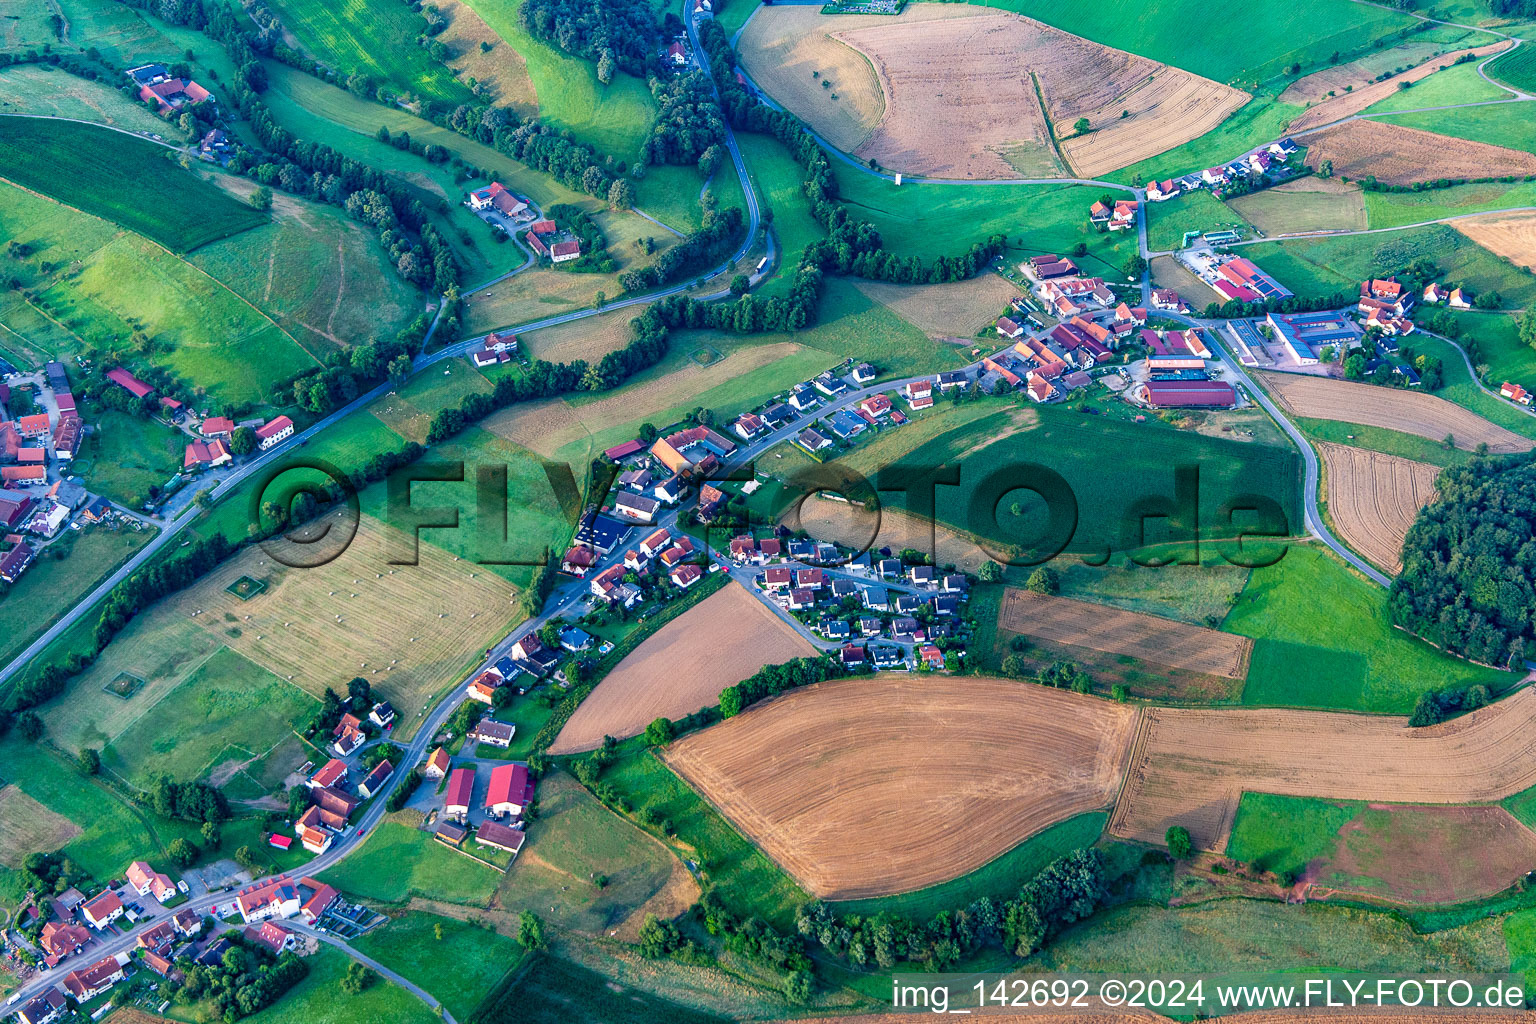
[
  {"x": 1513, "y": 8},
  {"x": 1469, "y": 562},
  {"x": 621, "y": 32},
  {"x": 688, "y": 122}
]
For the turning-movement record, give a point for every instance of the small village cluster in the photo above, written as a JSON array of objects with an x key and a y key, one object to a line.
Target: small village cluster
[
  {"x": 1256, "y": 163},
  {"x": 209, "y": 448},
  {"x": 501, "y": 208}
]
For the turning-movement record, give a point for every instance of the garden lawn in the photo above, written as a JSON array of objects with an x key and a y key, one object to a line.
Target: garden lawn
[
  {"x": 67, "y": 570},
  {"x": 128, "y": 454},
  {"x": 319, "y": 999},
  {"x": 113, "y": 833},
  {"x": 1395, "y": 209},
  {"x": 376, "y": 40},
  {"x": 399, "y": 861},
  {"x": 1169, "y": 221},
  {"x": 1320, "y": 267},
  {"x": 1001, "y": 879},
  {"x": 1324, "y": 641},
  {"x": 129, "y": 181},
  {"x": 409, "y": 945},
  {"x": 228, "y": 711}
]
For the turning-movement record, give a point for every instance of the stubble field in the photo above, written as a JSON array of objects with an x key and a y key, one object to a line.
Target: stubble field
[
  {"x": 868, "y": 787},
  {"x": 26, "y": 827},
  {"x": 683, "y": 667},
  {"x": 1398, "y": 155},
  {"x": 1411, "y": 412},
  {"x": 1512, "y": 236},
  {"x": 944, "y": 310},
  {"x": 1177, "y": 645},
  {"x": 1374, "y": 498},
  {"x": 1189, "y": 767}
]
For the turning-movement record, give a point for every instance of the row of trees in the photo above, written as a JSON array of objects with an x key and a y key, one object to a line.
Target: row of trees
[
  {"x": 771, "y": 680},
  {"x": 1468, "y": 583},
  {"x": 696, "y": 252},
  {"x": 347, "y": 373}
]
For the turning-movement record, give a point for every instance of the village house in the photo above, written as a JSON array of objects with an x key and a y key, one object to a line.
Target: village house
[
  {"x": 500, "y": 837},
  {"x": 1159, "y": 191},
  {"x": 47, "y": 1007},
  {"x": 834, "y": 629},
  {"x": 495, "y": 734},
  {"x": 748, "y": 425},
  {"x": 376, "y": 778},
  {"x": 510, "y": 790},
  {"x": 1124, "y": 216},
  {"x": 461, "y": 791},
  {"x": 332, "y": 773},
  {"x": 382, "y": 714},
  {"x": 437, "y": 765},
  {"x": 147, "y": 881},
  {"x": 565, "y": 251},
  {"x": 930, "y": 657},
  {"x": 677, "y": 553},
  {"x": 801, "y": 598},
  {"x": 274, "y": 897},
  {"x": 711, "y": 501},
  {"x": 171, "y": 94},
  {"x": 1515, "y": 393},
  {"x": 271, "y": 936},
  {"x": 685, "y": 576},
  {"x": 1008, "y": 327},
  {"x": 697, "y": 447},
  {"x": 206, "y": 455},
  {"x": 60, "y": 939},
  {"x": 812, "y": 441},
  {"x": 635, "y": 506},
  {"x": 498, "y": 197},
  {"x": 1167, "y": 298},
  {"x": 803, "y": 398},
  {"x": 1459, "y": 299},
  {"x": 1434, "y": 293},
  {"x": 92, "y": 981},
  {"x": 1385, "y": 296},
  {"x": 919, "y": 394},
  {"x": 274, "y": 432},
  {"x": 103, "y": 910},
  {"x": 864, "y": 373},
  {"x": 875, "y": 406}
]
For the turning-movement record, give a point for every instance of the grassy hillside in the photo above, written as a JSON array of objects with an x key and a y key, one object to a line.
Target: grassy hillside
[
  {"x": 1502, "y": 124},
  {"x": 115, "y": 176},
  {"x": 43, "y": 89}
]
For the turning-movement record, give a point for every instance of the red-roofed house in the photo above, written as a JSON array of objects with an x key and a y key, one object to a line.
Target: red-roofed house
[
  {"x": 536, "y": 243},
  {"x": 1009, "y": 327},
  {"x": 510, "y": 790},
  {"x": 493, "y": 833},
  {"x": 123, "y": 379},
  {"x": 49, "y": 1006},
  {"x": 62, "y": 938},
  {"x": 1515, "y": 393},
  {"x": 920, "y": 394},
  {"x": 461, "y": 790},
  {"x": 187, "y": 922},
  {"x": 875, "y": 406},
  {"x": 498, "y": 196},
  {"x": 273, "y": 432},
  {"x": 271, "y": 936},
  {"x": 561, "y": 252},
  {"x": 275, "y": 897},
  {"x": 146, "y": 880},
  {"x": 103, "y": 910},
  {"x": 320, "y": 901},
  {"x": 217, "y": 426},
  {"x": 89, "y": 982},
  {"x": 205, "y": 455},
  {"x": 685, "y": 576},
  {"x": 35, "y": 425},
  {"x": 330, "y": 774},
  {"x": 174, "y": 93},
  {"x": 15, "y": 561},
  {"x": 437, "y": 765}
]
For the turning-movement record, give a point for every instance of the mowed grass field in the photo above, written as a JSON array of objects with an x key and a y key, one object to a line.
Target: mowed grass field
[
  {"x": 1324, "y": 641},
  {"x": 409, "y": 945},
  {"x": 1454, "y": 85},
  {"x": 1395, "y": 209},
  {"x": 1168, "y": 221},
  {"x": 127, "y": 454},
  {"x": 1504, "y": 124},
  {"x": 1310, "y": 204},
  {"x": 319, "y": 998},
  {"x": 130, "y": 181},
  {"x": 91, "y": 284},
  {"x": 1322, "y": 266},
  {"x": 43, "y": 89},
  {"x": 376, "y": 40},
  {"x": 226, "y": 713},
  {"x": 399, "y": 861}
]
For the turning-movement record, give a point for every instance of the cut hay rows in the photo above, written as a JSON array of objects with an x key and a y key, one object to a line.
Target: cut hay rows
[
  {"x": 1177, "y": 645},
  {"x": 1510, "y": 236},
  {"x": 1190, "y": 766},
  {"x": 1411, "y": 412},
  {"x": 962, "y": 93},
  {"x": 26, "y": 827},
  {"x": 683, "y": 667},
  {"x": 1397, "y": 155},
  {"x": 1374, "y": 498},
  {"x": 1343, "y": 104},
  {"x": 409, "y": 629},
  {"x": 865, "y": 787}
]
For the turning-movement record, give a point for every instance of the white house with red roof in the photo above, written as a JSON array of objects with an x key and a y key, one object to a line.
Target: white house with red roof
[
  {"x": 332, "y": 772},
  {"x": 92, "y": 981},
  {"x": 274, "y": 432},
  {"x": 103, "y": 910},
  {"x": 146, "y": 881},
  {"x": 685, "y": 576},
  {"x": 1515, "y": 393},
  {"x": 498, "y": 197},
  {"x": 275, "y": 897},
  {"x": 919, "y": 394},
  {"x": 461, "y": 790},
  {"x": 510, "y": 790},
  {"x": 875, "y": 406}
]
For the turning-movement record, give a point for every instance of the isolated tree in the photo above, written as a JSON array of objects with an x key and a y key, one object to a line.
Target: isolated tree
[
  {"x": 261, "y": 199},
  {"x": 1081, "y": 126},
  {"x": 182, "y": 853},
  {"x": 797, "y": 987},
  {"x": 90, "y": 761},
  {"x": 358, "y": 978},
  {"x": 659, "y": 732},
  {"x": 606, "y": 66},
  {"x": 990, "y": 572},
  {"x": 621, "y": 194},
  {"x": 1179, "y": 844},
  {"x": 30, "y": 725},
  {"x": 530, "y": 931},
  {"x": 740, "y": 284},
  {"x": 399, "y": 369},
  {"x": 1044, "y": 580},
  {"x": 212, "y": 837},
  {"x": 437, "y": 931}
]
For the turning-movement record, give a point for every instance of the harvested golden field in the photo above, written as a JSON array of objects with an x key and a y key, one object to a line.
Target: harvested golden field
[
  {"x": 963, "y": 95},
  {"x": 590, "y": 338},
  {"x": 1176, "y": 107},
  {"x": 500, "y": 71},
  {"x": 683, "y": 667},
  {"x": 543, "y": 427},
  {"x": 944, "y": 310},
  {"x": 791, "y": 51},
  {"x": 1412, "y": 412},
  {"x": 871, "y": 786},
  {"x": 1177, "y": 645},
  {"x": 1512, "y": 236},
  {"x": 27, "y": 826},
  {"x": 1401, "y": 156},
  {"x": 1374, "y": 498},
  {"x": 1190, "y": 766},
  {"x": 410, "y": 629},
  {"x": 1314, "y": 88},
  {"x": 840, "y": 523}
]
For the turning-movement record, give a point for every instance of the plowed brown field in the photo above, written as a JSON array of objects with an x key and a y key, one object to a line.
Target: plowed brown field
[
  {"x": 1374, "y": 498},
  {"x": 1177, "y": 645},
  {"x": 1190, "y": 766},
  {"x": 1397, "y": 155},
  {"x": 1512, "y": 236},
  {"x": 1343, "y": 104},
  {"x": 682, "y": 668},
  {"x": 867, "y": 787},
  {"x": 962, "y": 92},
  {"x": 1412, "y": 412}
]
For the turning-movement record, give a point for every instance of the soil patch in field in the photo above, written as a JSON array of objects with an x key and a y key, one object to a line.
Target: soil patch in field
[
  {"x": 1512, "y": 236},
  {"x": 683, "y": 667},
  {"x": 26, "y": 827},
  {"x": 1396, "y": 155},
  {"x": 1190, "y": 766},
  {"x": 1374, "y": 498},
  {"x": 867, "y": 787},
  {"x": 1168, "y": 272},
  {"x": 1099, "y": 627},
  {"x": 963, "y": 95},
  {"x": 944, "y": 310},
  {"x": 1424, "y": 854},
  {"x": 1314, "y": 88},
  {"x": 1411, "y": 412}
]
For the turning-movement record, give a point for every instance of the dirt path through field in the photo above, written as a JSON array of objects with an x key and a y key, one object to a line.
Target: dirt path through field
[{"x": 1190, "y": 766}]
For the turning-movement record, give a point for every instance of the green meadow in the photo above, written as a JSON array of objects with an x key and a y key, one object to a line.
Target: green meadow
[
  {"x": 1168, "y": 221},
  {"x": 1502, "y": 124},
  {"x": 399, "y": 861},
  {"x": 411, "y": 945},
  {"x": 1460, "y": 83},
  {"x": 45, "y": 90}
]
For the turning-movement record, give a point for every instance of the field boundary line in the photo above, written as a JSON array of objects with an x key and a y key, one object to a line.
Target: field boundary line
[
  {"x": 1137, "y": 754},
  {"x": 172, "y": 689}
]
